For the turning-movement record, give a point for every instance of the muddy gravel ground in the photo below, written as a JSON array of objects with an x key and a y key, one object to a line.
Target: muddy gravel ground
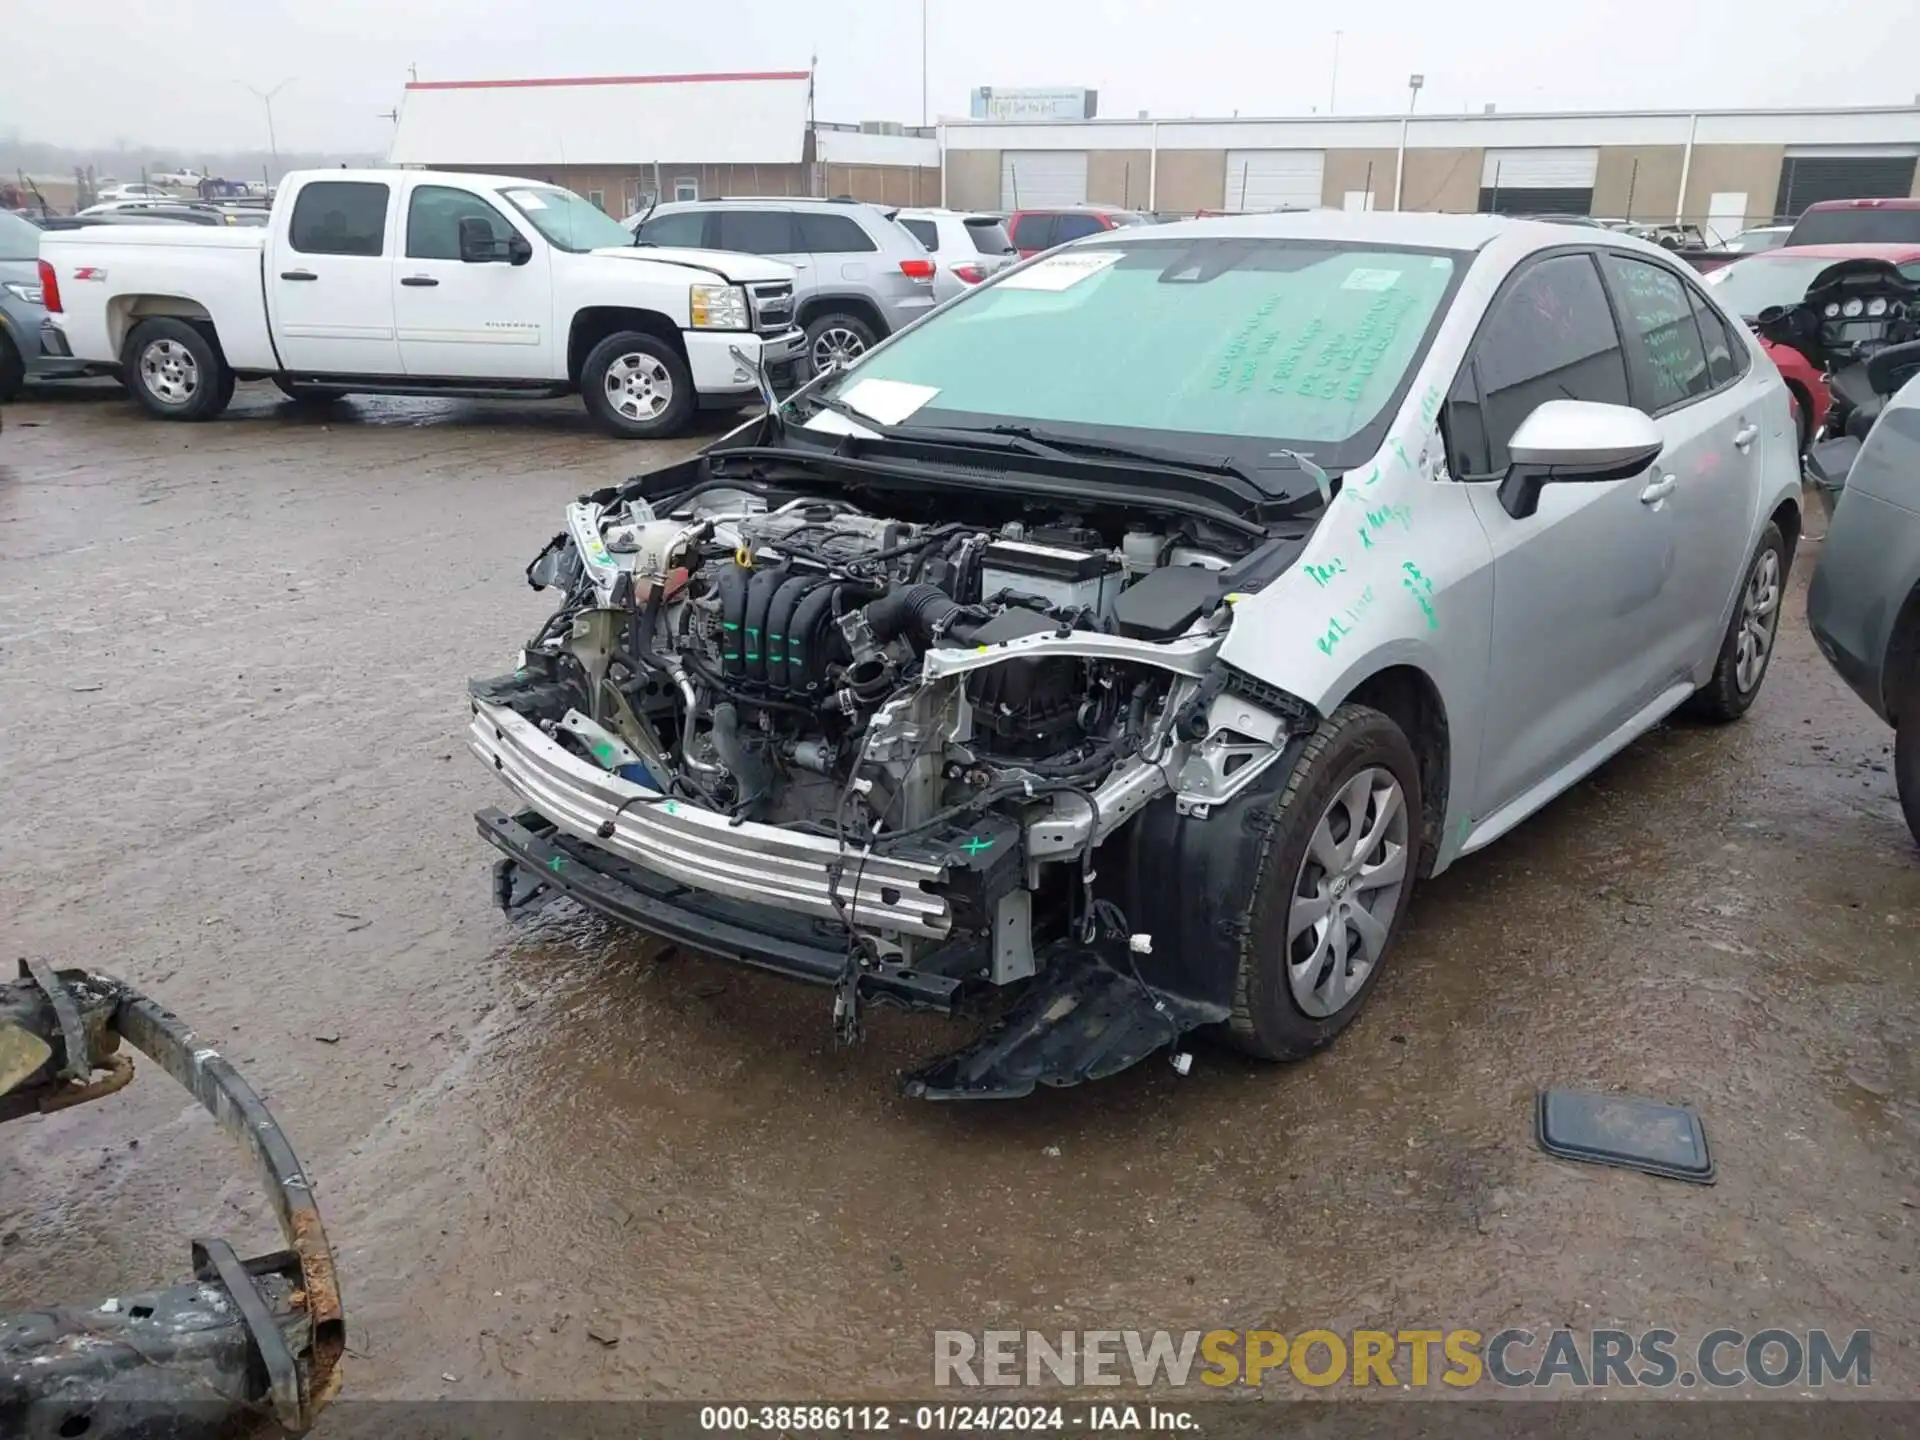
[{"x": 231, "y": 769}]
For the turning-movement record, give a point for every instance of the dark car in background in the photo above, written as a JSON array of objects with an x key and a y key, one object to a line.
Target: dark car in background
[
  {"x": 1037, "y": 230},
  {"x": 22, "y": 355},
  {"x": 1858, "y": 222}
]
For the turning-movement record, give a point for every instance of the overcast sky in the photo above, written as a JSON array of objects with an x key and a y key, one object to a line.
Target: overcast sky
[{"x": 92, "y": 72}]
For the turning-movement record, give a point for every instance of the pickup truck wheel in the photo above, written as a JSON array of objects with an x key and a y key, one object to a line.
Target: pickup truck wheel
[
  {"x": 1329, "y": 886},
  {"x": 13, "y": 370},
  {"x": 1747, "y": 648},
  {"x": 836, "y": 340},
  {"x": 637, "y": 387},
  {"x": 176, "y": 372}
]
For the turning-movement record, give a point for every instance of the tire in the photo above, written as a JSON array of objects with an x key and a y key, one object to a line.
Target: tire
[
  {"x": 306, "y": 394},
  {"x": 175, "y": 371},
  {"x": 1293, "y": 990},
  {"x": 837, "y": 335},
  {"x": 637, "y": 387},
  {"x": 1736, "y": 680},
  {"x": 1906, "y": 752},
  {"x": 13, "y": 370}
]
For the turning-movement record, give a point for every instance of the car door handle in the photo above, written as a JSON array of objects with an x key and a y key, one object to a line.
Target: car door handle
[
  {"x": 1744, "y": 437},
  {"x": 298, "y": 275},
  {"x": 1658, "y": 491},
  {"x": 418, "y": 280}
]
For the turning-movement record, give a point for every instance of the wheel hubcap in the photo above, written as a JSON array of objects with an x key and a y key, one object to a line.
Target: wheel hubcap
[
  {"x": 837, "y": 346},
  {"x": 169, "y": 371},
  {"x": 1759, "y": 620},
  {"x": 1347, "y": 892},
  {"x": 639, "y": 387}
]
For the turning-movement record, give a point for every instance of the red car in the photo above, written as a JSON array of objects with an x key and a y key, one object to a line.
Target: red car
[
  {"x": 1037, "y": 230},
  {"x": 1781, "y": 277}
]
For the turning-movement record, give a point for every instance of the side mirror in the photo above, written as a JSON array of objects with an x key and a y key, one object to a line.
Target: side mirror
[
  {"x": 476, "y": 241},
  {"x": 519, "y": 252},
  {"x": 1574, "y": 441}
]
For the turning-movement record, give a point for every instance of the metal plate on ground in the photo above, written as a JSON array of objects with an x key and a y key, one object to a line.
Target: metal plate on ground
[{"x": 1621, "y": 1130}]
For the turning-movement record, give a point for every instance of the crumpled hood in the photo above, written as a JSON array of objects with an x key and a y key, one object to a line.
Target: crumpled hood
[{"x": 733, "y": 267}]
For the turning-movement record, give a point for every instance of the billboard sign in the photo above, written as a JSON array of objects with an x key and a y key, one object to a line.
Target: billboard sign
[{"x": 1046, "y": 103}]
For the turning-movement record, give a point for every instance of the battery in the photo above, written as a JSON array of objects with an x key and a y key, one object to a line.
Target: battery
[{"x": 1066, "y": 578}]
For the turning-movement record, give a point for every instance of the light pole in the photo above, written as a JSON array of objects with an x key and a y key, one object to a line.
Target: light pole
[
  {"x": 1414, "y": 82},
  {"x": 1333, "y": 88},
  {"x": 266, "y": 99}
]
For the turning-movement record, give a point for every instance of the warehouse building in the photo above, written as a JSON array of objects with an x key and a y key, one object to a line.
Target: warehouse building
[
  {"x": 1724, "y": 168},
  {"x": 621, "y": 140}
]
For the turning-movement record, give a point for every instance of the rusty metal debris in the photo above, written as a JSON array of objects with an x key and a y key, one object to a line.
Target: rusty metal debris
[{"x": 245, "y": 1345}]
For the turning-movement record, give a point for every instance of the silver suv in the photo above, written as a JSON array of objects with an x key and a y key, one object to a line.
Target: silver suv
[{"x": 858, "y": 277}]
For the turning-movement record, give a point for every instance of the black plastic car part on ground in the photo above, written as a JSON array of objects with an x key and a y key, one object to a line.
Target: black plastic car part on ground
[{"x": 247, "y": 1345}]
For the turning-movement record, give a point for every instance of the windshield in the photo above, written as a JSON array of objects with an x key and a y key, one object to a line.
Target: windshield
[
  {"x": 19, "y": 237},
  {"x": 1857, "y": 225},
  {"x": 1749, "y": 286},
  {"x": 1256, "y": 344},
  {"x": 568, "y": 222}
]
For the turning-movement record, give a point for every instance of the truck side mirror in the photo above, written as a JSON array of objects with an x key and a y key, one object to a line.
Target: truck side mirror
[{"x": 477, "y": 246}]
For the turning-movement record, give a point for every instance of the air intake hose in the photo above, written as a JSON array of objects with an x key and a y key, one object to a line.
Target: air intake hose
[{"x": 913, "y": 611}]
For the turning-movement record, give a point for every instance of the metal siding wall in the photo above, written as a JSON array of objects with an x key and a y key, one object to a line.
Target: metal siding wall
[
  {"x": 1275, "y": 179},
  {"x": 1040, "y": 179}
]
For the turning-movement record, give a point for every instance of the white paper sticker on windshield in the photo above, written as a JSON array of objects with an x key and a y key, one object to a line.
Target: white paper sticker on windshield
[
  {"x": 1058, "y": 272},
  {"x": 887, "y": 401},
  {"x": 526, "y": 200},
  {"x": 1370, "y": 280}
]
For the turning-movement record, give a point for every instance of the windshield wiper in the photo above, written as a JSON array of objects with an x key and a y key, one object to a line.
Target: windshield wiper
[{"x": 1058, "y": 446}]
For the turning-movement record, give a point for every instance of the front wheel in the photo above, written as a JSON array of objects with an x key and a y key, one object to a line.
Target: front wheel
[
  {"x": 1747, "y": 648},
  {"x": 1331, "y": 886},
  {"x": 176, "y": 372},
  {"x": 637, "y": 387}
]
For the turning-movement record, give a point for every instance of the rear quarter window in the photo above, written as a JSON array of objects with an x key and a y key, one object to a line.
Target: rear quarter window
[
  {"x": 832, "y": 235},
  {"x": 925, "y": 231}
]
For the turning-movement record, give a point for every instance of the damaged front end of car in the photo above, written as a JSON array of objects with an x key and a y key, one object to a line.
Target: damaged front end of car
[
  {"x": 245, "y": 1345},
  {"x": 877, "y": 738}
]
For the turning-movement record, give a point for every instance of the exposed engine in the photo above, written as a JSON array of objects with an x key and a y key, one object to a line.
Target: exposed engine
[{"x": 766, "y": 661}]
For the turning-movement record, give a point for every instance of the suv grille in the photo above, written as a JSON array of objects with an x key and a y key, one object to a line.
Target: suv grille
[{"x": 772, "y": 306}]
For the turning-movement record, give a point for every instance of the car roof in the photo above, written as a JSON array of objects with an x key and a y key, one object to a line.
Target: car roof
[
  {"x": 1891, "y": 202},
  {"x": 1894, "y": 254},
  {"x": 1381, "y": 227},
  {"x": 1077, "y": 210}
]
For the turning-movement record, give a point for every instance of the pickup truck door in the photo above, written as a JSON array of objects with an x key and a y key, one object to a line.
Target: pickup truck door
[
  {"x": 330, "y": 280},
  {"x": 484, "y": 320}
]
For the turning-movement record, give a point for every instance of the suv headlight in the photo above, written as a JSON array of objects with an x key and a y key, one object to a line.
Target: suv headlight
[
  {"x": 719, "y": 307},
  {"x": 32, "y": 294}
]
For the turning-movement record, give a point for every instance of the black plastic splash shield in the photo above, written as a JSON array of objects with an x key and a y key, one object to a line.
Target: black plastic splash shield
[
  {"x": 1085, "y": 1016},
  {"x": 1620, "y": 1130}
]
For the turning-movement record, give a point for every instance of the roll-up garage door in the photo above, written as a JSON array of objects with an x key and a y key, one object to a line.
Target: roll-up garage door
[
  {"x": 1041, "y": 179},
  {"x": 1805, "y": 179},
  {"x": 1274, "y": 179},
  {"x": 1538, "y": 182}
]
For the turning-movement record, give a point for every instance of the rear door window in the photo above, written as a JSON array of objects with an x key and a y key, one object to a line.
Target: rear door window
[
  {"x": 1665, "y": 359},
  {"x": 339, "y": 217},
  {"x": 832, "y": 235},
  {"x": 1075, "y": 227},
  {"x": 1033, "y": 232},
  {"x": 989, "y": 236},
  {"x": 925, "y": 231},
  {"x": 757, "y": 232},
  {"x": 1549, "y": 336}
]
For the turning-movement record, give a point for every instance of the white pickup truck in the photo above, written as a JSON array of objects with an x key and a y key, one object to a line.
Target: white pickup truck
[{"x": 419, "y": 282}]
